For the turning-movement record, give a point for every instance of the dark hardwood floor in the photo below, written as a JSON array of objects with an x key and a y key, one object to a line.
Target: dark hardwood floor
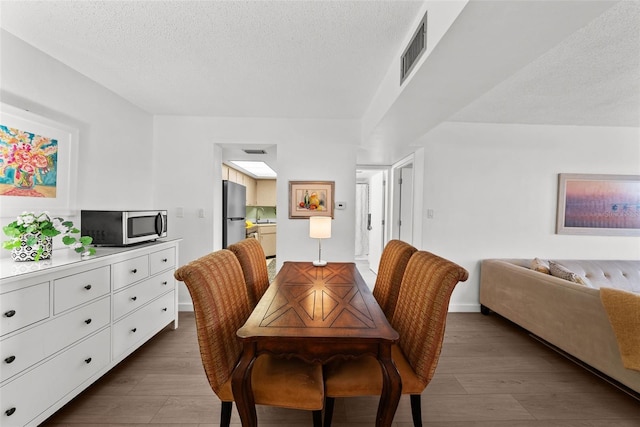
[{"x": 491, "y": 374}]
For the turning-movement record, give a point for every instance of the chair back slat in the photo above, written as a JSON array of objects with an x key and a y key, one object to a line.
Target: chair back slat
[
  {"x": 254, "y": 267},
  {"x": 221, "y": 305},
  {"x": 393, "y": 262},
  {"x": 421, "y": 312}
]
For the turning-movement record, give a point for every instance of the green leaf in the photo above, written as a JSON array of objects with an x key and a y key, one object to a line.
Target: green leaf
[
  {"x": 86, "y": 240},
  {"x": 68, "y": 240}
]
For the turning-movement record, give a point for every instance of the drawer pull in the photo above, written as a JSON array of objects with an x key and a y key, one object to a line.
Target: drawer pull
[
  {"x": 10, "y": 412},
  {"x": 134, "y": 271},
  {"x": 164, "y": 309},
  {"x": 87, "y": 287},
  {"x": 87, "y": 321},
  {"x": 134, "y": 330},
  {"x": 164, "y": 283},
  {"x": 134, "y": 298},
  {"x": 164, "y": 260},
  {"x": 10, "y": 313},
  {"x": 10, "y": 359},
  {"x": 87, "y": 360}
]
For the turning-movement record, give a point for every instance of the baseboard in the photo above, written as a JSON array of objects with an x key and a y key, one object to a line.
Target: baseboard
[
  {"x": 464, "y": 308},
  {"x": 185, "y": 306}
]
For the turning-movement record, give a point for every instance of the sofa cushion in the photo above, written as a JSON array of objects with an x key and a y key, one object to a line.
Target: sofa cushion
[
  {"x": 558, "y": 270},
  {"x": 540, "y": 265}
]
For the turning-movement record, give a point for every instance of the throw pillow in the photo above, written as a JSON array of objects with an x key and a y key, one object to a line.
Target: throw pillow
[
  {"x": 540, "y": 265},
  {"x": 563, "y": 272}
]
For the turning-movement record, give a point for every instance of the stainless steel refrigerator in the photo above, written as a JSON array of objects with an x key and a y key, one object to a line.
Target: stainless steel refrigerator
[{"x": 234, "y": 204}]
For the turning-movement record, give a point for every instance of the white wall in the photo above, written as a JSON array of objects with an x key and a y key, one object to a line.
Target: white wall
[
  {"x": 187, "y": 175},
  {"x": 493, "y": 190},
  {"x": 114, "y": 169}
]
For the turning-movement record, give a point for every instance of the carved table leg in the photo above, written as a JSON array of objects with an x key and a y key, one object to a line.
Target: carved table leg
[
  {"x": 391, "y": 389},
  {"x": 242, "y": 390}
]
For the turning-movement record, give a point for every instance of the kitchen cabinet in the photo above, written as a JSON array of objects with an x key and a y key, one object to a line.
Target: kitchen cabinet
[
  {"x": 266, "y": 192},
  {"x": 66, "y": 321},
  {"x": 267, "y": 238},
  {"x": 234, "y": 175}
]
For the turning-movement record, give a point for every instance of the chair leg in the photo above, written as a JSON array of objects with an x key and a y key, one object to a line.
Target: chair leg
[
  {"x": 317, "y": 418},
  {"x": 328, "y": 410},
  {"x": 225, "y": 414},
  {"x": 416, "y": 411}
]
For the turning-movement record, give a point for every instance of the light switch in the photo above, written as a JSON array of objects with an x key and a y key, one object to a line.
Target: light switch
[
  {"x": 430, "y": 213},
  {"x": 179, "y": 212},
  {"x": 201, "y": 213}
]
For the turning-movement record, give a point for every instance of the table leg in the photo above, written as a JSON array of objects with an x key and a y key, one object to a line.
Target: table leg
[
  {"x": 242, "y": 389},
  {"x": 391, "y": 390}
]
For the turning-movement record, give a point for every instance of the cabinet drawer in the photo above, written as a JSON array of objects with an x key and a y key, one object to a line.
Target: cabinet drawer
[
  {"x": 139, "y": 325},
  {"x": 31, "y": 394},
  {"x": 130, "y": 271},
  {"x": 162, "y": 260},
  {"x": 77, "y": 289},
  {"x": 29, "y": 347},
  {"x": 23, "y": 307},
  {"x": 139, "y": 294}
]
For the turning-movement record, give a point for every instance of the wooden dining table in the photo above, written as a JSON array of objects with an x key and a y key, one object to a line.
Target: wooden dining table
[{"x": 317, "y": 314}]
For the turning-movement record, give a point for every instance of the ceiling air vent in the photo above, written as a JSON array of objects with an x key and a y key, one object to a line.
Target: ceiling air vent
[
  {"x": 414, "y": 51},
  {"x": 253, "y": 151}
]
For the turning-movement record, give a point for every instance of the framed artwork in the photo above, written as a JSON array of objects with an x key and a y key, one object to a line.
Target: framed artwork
[
  {"x": 599, "y": 204},
  {"x": 310, "y": 198},
  {"x": 37, "y": 163}
]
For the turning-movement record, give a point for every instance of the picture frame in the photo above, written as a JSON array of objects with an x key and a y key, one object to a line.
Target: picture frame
[
  {"x": 54, "y": 184},
  {"x": 594, "y": 204},
  {"x": 311, "y": 198}
]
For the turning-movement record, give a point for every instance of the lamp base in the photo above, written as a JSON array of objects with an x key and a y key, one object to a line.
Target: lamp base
[{"x": 319, "y": 263}]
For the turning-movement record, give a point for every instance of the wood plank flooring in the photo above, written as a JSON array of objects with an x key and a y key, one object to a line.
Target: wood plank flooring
[{"x": 491, "y": 374}]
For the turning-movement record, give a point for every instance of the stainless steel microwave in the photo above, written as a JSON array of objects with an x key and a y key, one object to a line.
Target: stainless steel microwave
[{"x": 122, "y": 228}]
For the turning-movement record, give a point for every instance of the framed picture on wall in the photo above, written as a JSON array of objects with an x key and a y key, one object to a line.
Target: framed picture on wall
[
  {"x": 37, "y": 163},
  {"x": 598, "y": 204},
  {"x": 310, "y": 198}
]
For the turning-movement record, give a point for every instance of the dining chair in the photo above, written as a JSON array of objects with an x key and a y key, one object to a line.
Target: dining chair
[
  {"x": 393, "y": 262},
  {"x": 419, "y": 319},
  {"x": 254, "y": 267},
  {"x": 221, "y": 305}
]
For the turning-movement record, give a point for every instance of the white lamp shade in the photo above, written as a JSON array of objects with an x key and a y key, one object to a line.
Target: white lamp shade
[{"x": 320, "y": 227}]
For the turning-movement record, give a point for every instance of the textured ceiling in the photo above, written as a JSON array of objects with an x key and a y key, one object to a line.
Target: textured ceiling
[
  {"x": 224, "y": 58},
  {"x": 540, "y": 62},
  {"x": 590, "y": 78}
]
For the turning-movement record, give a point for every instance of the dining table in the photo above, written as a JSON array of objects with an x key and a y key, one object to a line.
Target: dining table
[{"x": 317, "y": 314}]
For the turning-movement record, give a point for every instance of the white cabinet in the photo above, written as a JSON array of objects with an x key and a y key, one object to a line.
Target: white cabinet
[{"x": 65, "y": 322}]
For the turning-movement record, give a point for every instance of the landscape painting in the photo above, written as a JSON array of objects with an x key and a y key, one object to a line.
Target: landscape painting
[{"x": 599, "y": 204}]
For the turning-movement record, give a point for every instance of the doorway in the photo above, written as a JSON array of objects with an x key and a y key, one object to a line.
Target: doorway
[
  {"x": 370, "y": 215},
  {"x": 402, "y": 195}
]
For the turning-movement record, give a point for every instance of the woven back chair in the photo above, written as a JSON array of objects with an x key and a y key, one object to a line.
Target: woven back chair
[
  {"x": 420, "y": 319},
  {"x": 221, "y": 305},
  {"x": 393, "y": 262},
  {"x": 254, "y": 267}
]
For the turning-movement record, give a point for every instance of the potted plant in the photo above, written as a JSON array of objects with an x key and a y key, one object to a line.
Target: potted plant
[{"x": 31, "y": 236}]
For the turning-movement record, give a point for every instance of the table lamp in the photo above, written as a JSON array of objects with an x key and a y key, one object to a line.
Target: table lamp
[{"x": 320, "y": 228}]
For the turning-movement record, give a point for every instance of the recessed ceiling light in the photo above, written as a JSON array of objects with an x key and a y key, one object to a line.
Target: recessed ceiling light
[{"x": 257, "y": 169}]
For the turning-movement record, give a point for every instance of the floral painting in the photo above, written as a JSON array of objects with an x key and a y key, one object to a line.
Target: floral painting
[{"x": 28, "y": 164}]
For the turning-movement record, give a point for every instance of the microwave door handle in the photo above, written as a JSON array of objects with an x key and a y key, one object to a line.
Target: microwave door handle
[{"x": 159, "y": 224}]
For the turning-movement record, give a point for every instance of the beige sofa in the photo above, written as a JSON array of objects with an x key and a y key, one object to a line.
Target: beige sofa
[{"x": 567, "y": 315}]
